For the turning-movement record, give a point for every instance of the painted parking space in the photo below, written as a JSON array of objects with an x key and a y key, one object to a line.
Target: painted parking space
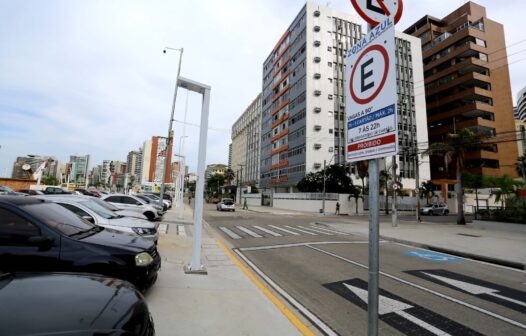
[{"x": 432, "y": 256}]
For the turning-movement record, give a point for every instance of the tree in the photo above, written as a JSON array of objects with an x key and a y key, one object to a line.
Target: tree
[
  {"x": 427, "y": 190},
  {"x": 362, "y": 168},
  {"x": 50, "y": 180},
  {"x": 214, "y": 183},
  {"x": 453, "y": 150},
  {"x": 521, "y": 167},
  {"x": 229, "y": 176},
  {"x": 337, "y": 180},
  {"x": 507, "y": 189},
  {"x": 356, "y": 193}
]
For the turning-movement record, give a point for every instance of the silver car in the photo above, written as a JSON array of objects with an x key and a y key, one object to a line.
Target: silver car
[
  {"x": 88, "y": 209},
  {"x": 435, "y": 209},
  {"x": 130, "y": 202}
]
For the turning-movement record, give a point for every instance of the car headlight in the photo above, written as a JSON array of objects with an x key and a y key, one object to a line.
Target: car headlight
[{"x": 143, "y": 259}]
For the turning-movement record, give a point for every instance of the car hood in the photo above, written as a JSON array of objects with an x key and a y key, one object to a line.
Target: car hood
[
  {"x": 120, "y": 240},
  {"x": 70, "y": 304},
  {"x": 132, "y": 222},
  {"x": 129, "y": 213}
]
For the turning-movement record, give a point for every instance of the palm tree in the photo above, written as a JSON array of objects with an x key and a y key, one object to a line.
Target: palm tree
[
  {"x": 229, "y": 176},
  {"x": 356, "y": 193},
  {"x": 507, "y": 189},
  {"x": 385, "y": 176},
  {"x": 427, "y": 189},
  {"x": 454, "y": 150},
  {"x": 363, "y": 171}
]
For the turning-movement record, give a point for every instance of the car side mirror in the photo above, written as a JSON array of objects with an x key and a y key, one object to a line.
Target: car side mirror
[{"x": 40, "y": 240}]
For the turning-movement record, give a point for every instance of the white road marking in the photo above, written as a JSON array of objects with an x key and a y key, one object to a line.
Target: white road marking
[
  {"x": 230, "y": 233},
  {"x": 271, "y": 247},
  {"x": 474, "y": 289},
  {"x": 307, "y": 313},
  {"x": 181, "y": 230},
  {"x": 300, "y": 230},
  {"x": 249, "y": 232},
  {"x": 275, "y": 234},
  {"x": 387, "y": 306},
  {"x": 331, "y": 231},
  {"x": 452, "y": 299},
  {"x": 284, "y": 230},
  {"x": 322, "y": 232}
]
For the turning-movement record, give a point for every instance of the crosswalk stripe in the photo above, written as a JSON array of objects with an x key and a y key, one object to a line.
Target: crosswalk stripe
[
  {"x": 230, "y": 233},
  {"x": 285, "y": 230},
  {"x": 181, "y": 231},
  {"x": 300, "y": 230},
  {"x": 249, "y": 232},
  {"x": 332, "y": 231},
  {"x": 275, "y": 234},
  {"x": 325, "y": 233}
]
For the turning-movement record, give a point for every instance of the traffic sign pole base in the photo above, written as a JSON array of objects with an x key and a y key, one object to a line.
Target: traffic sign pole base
[{"x": 200, "y": 271}]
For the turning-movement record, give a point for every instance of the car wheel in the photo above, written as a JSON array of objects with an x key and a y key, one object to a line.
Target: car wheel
[
  {"x": 446, "y": 212},
  {"x": 149, "y": 215},
  {"x": 234, "y": 210}
]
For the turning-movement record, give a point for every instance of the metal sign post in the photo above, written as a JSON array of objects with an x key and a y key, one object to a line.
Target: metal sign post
[
  {"x": 195, "y": 265},
  {"x": 372, "y": 126}
]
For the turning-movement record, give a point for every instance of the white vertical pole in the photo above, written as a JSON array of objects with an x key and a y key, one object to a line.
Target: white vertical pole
[
  {"x": 394, "y": 215},
  {"x": 195, "y": 265}
]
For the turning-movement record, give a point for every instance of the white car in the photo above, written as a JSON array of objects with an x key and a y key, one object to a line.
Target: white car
[
  {"x": 117, "y": 211},
  {"x": 130, "y": 202},
  {"x": 88, "y": 209},
  {"x": 226, "y": 204}
]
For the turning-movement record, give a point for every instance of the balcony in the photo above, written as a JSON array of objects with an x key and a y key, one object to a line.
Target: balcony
[{"x": 475, "y": 108}]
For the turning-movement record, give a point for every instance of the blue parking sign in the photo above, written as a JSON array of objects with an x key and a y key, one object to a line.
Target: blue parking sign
[{"x": 432, "y": 256}]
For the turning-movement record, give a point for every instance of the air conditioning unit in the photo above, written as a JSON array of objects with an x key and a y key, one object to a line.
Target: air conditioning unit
[
  {"x": 317, "y": 127},
  {"x": 317, "y": 28},
  {"x": 317, "y": 92},
  {"x": 317, "y": 43},
  {"x": 317, "y": 165},
  {"x": 317, "y": 146},
  {"x": 317, "y": 59},
  {"x": 317, "y": 109},
  {"x": 316, "y": 13},
  {"x": 317, "y": 76}
]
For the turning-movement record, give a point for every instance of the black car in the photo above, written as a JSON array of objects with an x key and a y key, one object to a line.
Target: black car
[
  {"x": 54, "y": 191},
  {"x": 85, "y": 192},
  {"x": 166, "y": 196},
  {"x": 39, "y": 236},
  {"x": 55, "y": 304}
]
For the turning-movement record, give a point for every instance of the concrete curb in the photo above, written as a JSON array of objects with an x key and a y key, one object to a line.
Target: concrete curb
[{"x": 446, "y": 250}]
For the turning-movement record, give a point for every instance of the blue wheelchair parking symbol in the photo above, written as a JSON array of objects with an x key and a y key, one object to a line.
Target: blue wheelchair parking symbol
[{"x": 432, "y": 256}]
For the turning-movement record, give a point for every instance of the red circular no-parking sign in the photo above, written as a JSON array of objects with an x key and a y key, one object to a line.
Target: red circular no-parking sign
[
  {"x": 385, "y": 56},
  {"x": 376, "y": 11}
]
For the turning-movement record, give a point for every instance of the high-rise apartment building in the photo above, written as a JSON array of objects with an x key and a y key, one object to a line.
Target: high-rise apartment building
[
  {"x": 520, "y": 113},
  {"x": 303, "y": 102},
  {"x": 467, "y": 86},
  {"x": 154, "y": 155},
  {"x": 78, "y": 172},
  {"x": 134, "y": 165},
  {"x": 245, "y": 143}
]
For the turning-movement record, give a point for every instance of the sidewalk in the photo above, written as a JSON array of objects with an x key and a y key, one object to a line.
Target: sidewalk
[
  {"x": 498, "y": 247},
  {"x": 223, "y": 303}
]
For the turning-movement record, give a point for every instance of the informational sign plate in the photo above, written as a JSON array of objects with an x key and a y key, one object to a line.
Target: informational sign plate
[
  {"x": 376, "y": 11},
  {"x": 372, "y": 126}
]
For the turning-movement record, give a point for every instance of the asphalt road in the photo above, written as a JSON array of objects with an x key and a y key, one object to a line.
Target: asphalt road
[{"x": 323, "y": 273}]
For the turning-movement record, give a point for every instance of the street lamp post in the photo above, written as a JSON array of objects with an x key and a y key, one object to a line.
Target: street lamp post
[
  {"x": 324, "y": 183},
  {"x": 241, "y": 183},
  {"x": 180, "y": 186},
  {"x": 168, "y": 141}
]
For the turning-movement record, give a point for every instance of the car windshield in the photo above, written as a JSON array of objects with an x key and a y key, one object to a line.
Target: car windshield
[
  {"x": 59, "y": 218},
  {"x": 99, "y": 210},
  {"x": 5, "y": 189}
]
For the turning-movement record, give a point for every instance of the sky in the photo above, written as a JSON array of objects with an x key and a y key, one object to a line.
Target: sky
[{"x": 90, "y": 76}]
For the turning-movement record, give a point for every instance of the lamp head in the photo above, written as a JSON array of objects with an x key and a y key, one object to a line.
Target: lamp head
[{"x": 164, "y": 51}]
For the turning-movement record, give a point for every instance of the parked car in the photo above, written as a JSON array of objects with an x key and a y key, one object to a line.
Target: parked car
[
  {"x": 54, "y": 191},
  {"x": 166, "y": 196},
  {"x": 154, "y": 200},
  {"x": 8, "y": 191},
  {"x": 30, "y": 192},
  {"x": 95, "y": 192},
  {"x": 86, "y": 208},
  {"x": 226, "y": 204},
  {"x": 40, "y": 236},
  {"x": 435, "y": 209},
  {"x": 85, "y": 192},
  {"x": 54, "y": 304},
  {"x": 117, "y": 211},
  {"x": 130, "y": 202}
]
